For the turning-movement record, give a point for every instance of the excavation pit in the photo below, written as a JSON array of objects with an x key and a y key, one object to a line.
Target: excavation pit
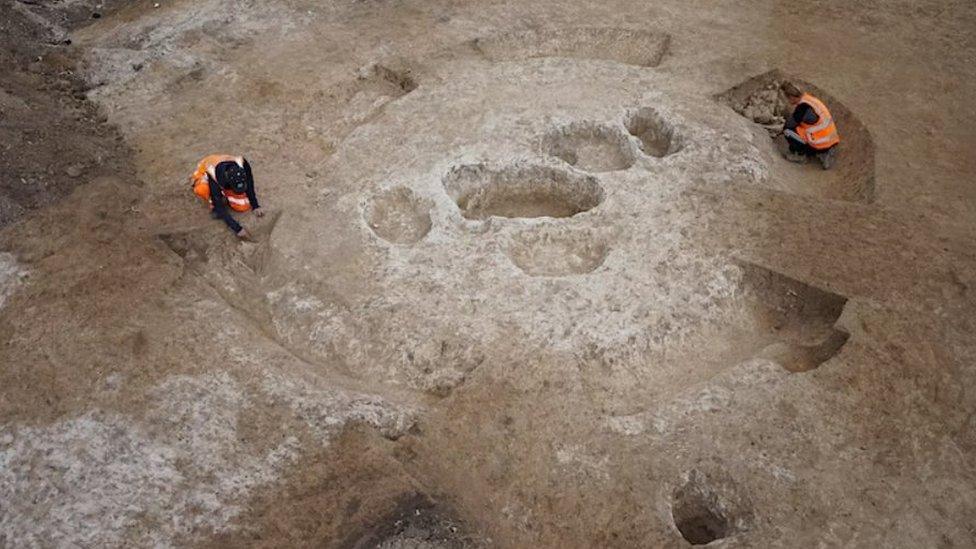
[
  {"x": 590, "y": 147},
  {"x": 399, "y": 216},
  {"x": 521, "y": 192},
  {"x": 699, "y": 512},
  {"x": 798, "y": 317},
  {"x": 655, "y": 134},
  {"x": 557, "y": 253},
  {"x": 852, "y": 177}
]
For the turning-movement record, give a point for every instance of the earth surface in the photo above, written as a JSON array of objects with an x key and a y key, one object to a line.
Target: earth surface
[{"x": 531, "y": 275}]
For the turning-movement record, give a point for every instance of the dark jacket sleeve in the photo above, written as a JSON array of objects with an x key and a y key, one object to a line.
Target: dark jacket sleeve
[
  {"x": 802, "y": 113},
  {"x": 251, "y": 195},
  {"x": 220, "y": 209}
]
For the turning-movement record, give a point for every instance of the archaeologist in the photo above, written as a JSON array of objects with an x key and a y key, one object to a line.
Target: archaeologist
[
  {"x": 226, "y": 183},
  {"x": 810, "y": 130}
]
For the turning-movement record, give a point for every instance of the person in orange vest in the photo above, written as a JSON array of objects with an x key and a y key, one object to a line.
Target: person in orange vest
[
  {"x": 229, "y": 179},
  {"x": 810, "y": 130}
]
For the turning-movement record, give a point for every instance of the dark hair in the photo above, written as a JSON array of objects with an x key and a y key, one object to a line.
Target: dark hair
[
  {"x": 790, "y": 89},
  {"x": 231, "y": 176}
]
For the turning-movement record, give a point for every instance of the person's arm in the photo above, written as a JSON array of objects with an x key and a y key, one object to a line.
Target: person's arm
[
  {"x": 810, "y": 116},
  {"x": 802, "y": 113},
  {"x": 251, "y": 195},
  {"x": 220, "y": 209}
]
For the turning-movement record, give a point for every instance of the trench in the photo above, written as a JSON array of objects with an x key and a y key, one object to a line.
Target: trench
[{"x": 643, "y": 48}]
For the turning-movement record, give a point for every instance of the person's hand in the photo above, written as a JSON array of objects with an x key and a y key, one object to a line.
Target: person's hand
[
  {"x": 243, "y": 234},
  {"x": 259, "y": 212}
]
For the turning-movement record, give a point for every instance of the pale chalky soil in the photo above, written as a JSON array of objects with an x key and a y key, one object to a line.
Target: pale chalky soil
[{"x": 533, "y": 275}]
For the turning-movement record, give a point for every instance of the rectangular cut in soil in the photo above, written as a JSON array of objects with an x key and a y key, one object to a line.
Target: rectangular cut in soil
[{"x": 629, "y": 46}]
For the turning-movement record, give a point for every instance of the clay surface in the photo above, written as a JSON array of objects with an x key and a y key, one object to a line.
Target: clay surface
[{"x": 531, "y": 275}]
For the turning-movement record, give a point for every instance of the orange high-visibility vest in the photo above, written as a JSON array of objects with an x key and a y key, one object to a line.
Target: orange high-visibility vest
[
  {"x": 822, "y": 134},
  {"x": 201, "y": 185}
]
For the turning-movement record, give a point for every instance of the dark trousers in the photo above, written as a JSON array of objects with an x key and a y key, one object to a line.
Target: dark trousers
[{"x": 799, "y": 147}]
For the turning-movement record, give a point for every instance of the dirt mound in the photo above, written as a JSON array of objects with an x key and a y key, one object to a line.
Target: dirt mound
[
  {"x": 399, "y": 216},
  {"x": 767, "y": 105}
]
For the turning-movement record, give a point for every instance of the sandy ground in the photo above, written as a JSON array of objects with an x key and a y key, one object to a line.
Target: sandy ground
[{"x": 532, "y": 276}]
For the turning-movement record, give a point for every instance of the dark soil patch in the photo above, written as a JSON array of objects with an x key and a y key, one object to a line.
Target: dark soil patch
[{"x": 51, "y": 138}]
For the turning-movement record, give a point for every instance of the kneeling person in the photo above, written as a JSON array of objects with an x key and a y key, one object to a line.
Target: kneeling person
[
  {"x": 226, "y": 183},
  {"x": 810, "y": 129}
]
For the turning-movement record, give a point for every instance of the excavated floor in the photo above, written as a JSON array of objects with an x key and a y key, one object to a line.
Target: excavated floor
[
  {"x": 533, "y": 275},
  {"x": 521, "y": 223}
]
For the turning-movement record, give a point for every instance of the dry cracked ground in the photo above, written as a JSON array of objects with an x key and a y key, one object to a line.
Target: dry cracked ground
[{"x": 534, "y": 275}]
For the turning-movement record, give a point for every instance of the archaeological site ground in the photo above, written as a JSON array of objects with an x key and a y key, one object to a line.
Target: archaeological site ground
[{"x": 532, "y": 274}]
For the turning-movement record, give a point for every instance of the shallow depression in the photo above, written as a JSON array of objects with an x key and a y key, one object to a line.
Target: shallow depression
[
  {"x": 521, "y": 191},
  {"x": 558, "y": 253},
  {"x": 398, "y": 215},
  {"x": 590, "y": 147},
  {"x": 656, "y": 135}
]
